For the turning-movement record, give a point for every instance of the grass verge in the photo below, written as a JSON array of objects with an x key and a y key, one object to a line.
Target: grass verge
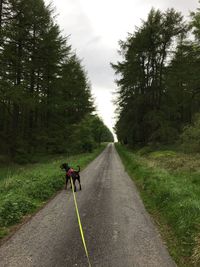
[
  {"x": 26, "y": 189},
  {"x": 172, "y": 196}
]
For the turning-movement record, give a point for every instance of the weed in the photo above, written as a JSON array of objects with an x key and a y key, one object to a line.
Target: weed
[{"x": 173, "y": 194}]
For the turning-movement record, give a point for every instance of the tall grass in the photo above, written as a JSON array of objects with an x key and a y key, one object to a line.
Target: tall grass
[
  {"x": 27, "y": 188},
  {"x": 173, "y": 198}
]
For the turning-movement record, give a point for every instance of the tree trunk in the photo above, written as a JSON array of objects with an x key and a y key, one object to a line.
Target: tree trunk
[
  {"x": 15, "y": 119},
  {"x": 1, "y": 11}
]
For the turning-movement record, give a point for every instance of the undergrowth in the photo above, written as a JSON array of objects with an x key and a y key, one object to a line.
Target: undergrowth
[{"x": 171, "y": 193}]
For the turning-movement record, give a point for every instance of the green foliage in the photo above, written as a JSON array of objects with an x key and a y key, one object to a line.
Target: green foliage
[
  {"x": 90, "y": 133},
  {"x": 44, "y": 89},
  {"x": 22, "y": 157},
  {"x": 13, "y": 207},
  {"x": 162, "y": 154},
  {"x": 144, "y": 151},
  {"x": 171, "y": 193},
  {"x": 158, "y": 89},
  {"x": 191, "y": 136}
]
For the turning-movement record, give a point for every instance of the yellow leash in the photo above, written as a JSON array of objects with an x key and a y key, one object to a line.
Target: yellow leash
[{"x": 79, "y": 222}]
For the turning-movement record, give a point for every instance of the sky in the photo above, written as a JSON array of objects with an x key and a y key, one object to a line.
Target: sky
[{"x": 95, "y": 27}]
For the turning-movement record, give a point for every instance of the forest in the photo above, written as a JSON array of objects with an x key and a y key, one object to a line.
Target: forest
[
  {"x": 158, "y": 82},
  {"x": 158, "y": 124},
  {"x": 46, "y": 105}
]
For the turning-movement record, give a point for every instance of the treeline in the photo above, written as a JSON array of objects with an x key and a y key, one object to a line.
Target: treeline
[
  {"x": 44, "y": 90},
  {"x": 158, "y": 80}
]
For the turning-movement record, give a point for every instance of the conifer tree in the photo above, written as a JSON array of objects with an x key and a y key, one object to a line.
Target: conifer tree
[
  {"x": 143, "y": 117},
  {"x": 44, "y": 90}
]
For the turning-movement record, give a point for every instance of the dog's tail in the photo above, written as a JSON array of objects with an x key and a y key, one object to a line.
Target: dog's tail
[{"x": 79, "y": 168}]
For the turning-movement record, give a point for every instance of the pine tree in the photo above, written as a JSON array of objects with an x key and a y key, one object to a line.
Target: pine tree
[
  {"x": 142, "y": 89},
  {"x": 44, "y": 90}
]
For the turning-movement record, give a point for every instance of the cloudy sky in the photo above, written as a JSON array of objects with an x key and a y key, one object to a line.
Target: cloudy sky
[{"x": 95, "y": 27}]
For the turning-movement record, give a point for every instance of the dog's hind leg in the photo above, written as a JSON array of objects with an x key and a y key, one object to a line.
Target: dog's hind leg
[
  {"x": 73, "y": 181},
  {"x": 74, "y": 187}
]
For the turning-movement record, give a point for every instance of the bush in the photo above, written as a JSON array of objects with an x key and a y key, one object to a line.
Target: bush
[
  {"x": 163, "y": 154},
  {"x": 9, "y": 213},
  {"x": 22, "y": 157},
  {"x": 164, "y": 135},
  {"x": 145, "y": 150},
  {"x": 44, "y": 187},
  {"x": 4, "y": 159},
  {"x": 13, "y": 208},
  {"x": 190, "y": 137}
]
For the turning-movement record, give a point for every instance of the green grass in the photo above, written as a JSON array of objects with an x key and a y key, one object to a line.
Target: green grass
[
  {"x": 25, "y": 189},
  {"x": 171, "y": 193}
]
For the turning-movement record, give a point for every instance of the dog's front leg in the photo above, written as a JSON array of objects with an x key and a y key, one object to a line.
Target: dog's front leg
[
  {"x": 74, "y": 185},
  {"x": 66, "y": 182}
]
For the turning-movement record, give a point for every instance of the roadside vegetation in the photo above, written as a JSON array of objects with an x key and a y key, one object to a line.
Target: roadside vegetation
[
  {"x": 158, "y": 123},
  {"x": 169, "y": 183},
  {"x": 26, "y": 188}
]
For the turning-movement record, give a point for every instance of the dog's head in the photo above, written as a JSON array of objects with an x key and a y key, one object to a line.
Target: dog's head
[{"x": 65, "y": 167}]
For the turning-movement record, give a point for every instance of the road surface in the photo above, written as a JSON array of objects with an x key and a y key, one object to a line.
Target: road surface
[{"x": 118, "y": 230}]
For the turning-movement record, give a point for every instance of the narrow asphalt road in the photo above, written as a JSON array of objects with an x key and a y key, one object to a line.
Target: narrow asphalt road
[{"x": 118, "y": 230}]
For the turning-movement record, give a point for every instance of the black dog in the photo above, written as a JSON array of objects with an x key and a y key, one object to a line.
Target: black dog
[{"x": 70, "y": 172}]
